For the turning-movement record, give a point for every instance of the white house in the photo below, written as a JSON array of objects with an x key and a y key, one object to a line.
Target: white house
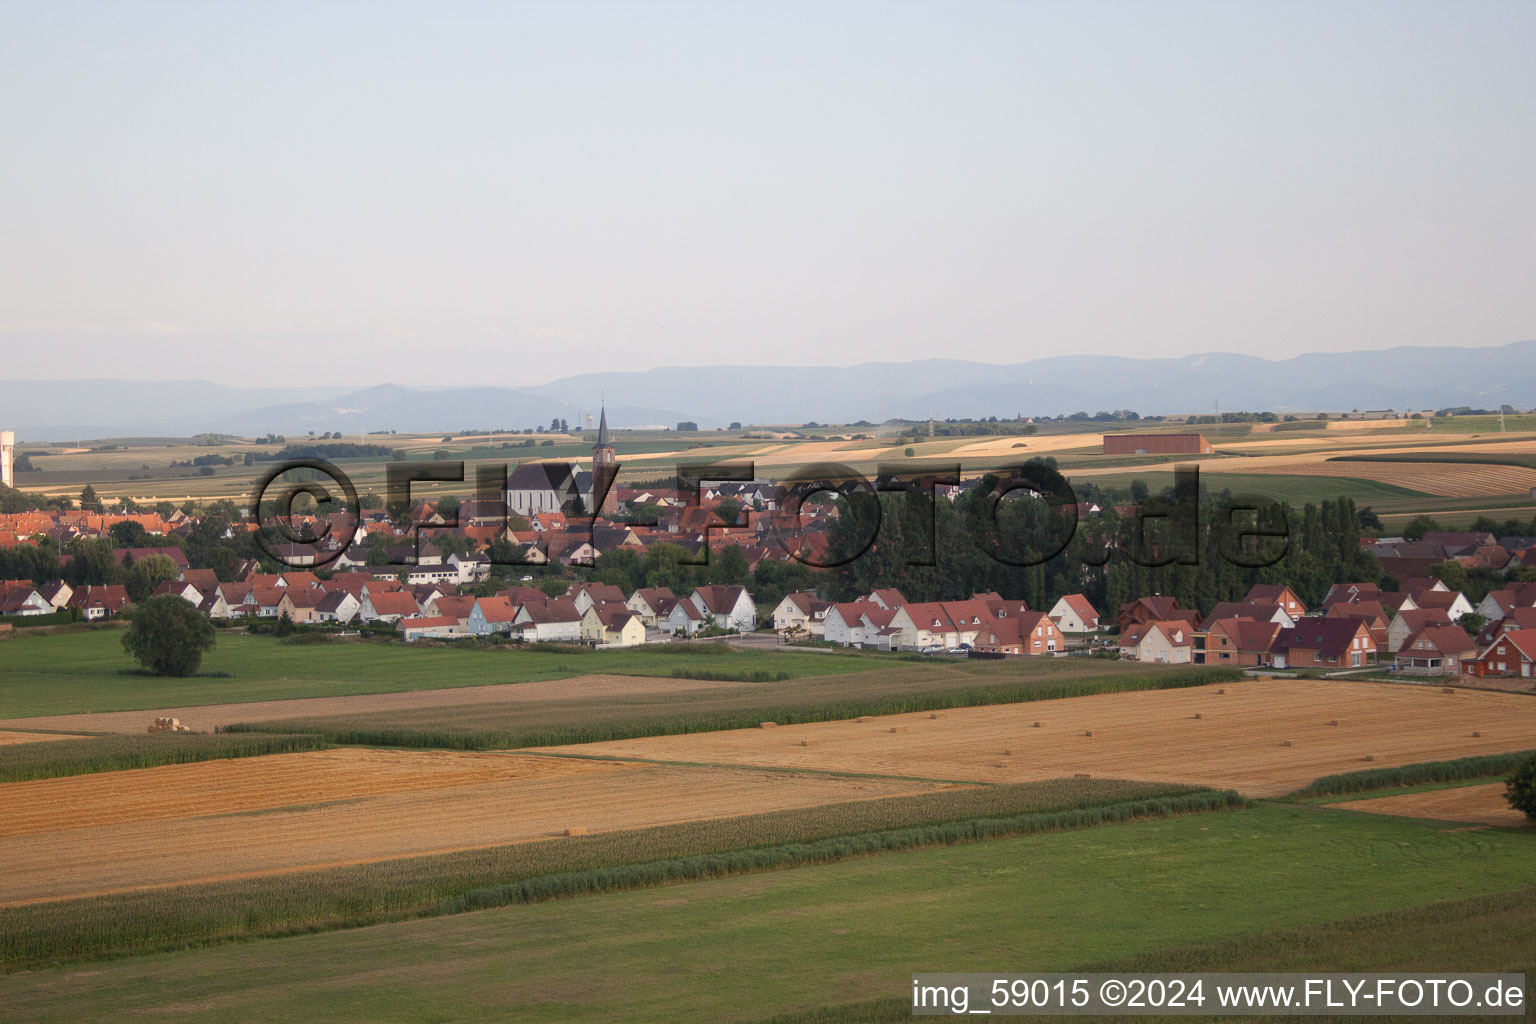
[
  {"x": 1074, "y": 614},
  {"x": 801, "y": 612},
  {"x": 555, "y": 621},
  {"x": 652, "y": 604},
  {"x": 685, "y": 618},
  {"x": 337, "y": 606},
  {"x": 728, "y": 607}
]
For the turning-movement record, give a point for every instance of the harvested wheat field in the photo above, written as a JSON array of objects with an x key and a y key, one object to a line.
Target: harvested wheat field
[
  {"x": 8, "y": 738},
  {"x": 219, "y": 819},
  {"x": 1484, "y": 804},
  {"x": 1260, "y": 737},
  {"x": 207, "y": 717}
]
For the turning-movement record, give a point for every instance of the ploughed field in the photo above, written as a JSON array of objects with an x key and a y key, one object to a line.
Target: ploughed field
[
  {"x": 1484, "y": 804},
  {"x": 1260, "y": 737},
  {"x": 221, "y": 819}
]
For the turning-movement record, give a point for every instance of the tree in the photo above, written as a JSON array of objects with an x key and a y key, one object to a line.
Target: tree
[
  {"x": 1473, "y": 623},
  {"x": 168, "y": 636},
  {"x": 735, "y": 425},
  {"x": 729, "y": 510},
  {"x": 148, "y": 573},
  {"x": 1520, "y": 788},
  {"x": 687, "y": 425},
  {"x": 88, "y": 500},
  {"x": 129, "y": 534},
  {"x": 1452, "y": 574}
]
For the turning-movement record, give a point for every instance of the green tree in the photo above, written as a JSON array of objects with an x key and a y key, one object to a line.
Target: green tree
[
  {"x": 729, "y": 510},
  {"x": 168, "y": 636},
  {"x": 1520, "y": 788},
  {"x": 148, "y": 573},
  {"x": 129, "y": 534},
  {"x": 88, "y": 500}
]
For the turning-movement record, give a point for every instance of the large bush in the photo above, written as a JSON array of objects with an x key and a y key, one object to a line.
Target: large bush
[
  {"x": 169, "y": 636},
  {"x": 1520, "y": 788}
]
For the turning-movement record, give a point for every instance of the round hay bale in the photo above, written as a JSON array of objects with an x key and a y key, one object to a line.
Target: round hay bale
[
  {"x": 1197, "y": 715},
  {"x": 1035, "y": 726}
]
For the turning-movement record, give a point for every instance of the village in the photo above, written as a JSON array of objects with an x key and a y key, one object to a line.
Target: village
[{"x": 515, "y": 570}]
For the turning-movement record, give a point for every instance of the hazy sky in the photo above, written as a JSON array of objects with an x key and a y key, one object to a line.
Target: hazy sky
[{"x": 443, "y": 193}]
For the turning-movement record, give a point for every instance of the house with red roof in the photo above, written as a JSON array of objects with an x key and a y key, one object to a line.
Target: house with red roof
[
  {"x": 1162, "y": 642},
  {"x": 1074, "y": 613},
  {"x": 1435, "y": 651},
  {"x": 1339, "y": 642},
  {"x": 1512, "y": 654}
]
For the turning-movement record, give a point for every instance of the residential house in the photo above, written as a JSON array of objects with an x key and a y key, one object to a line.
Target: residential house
[
  {"x": 652, "y": 604},
  {"x": 438, "y": 626},
  {"x": 337, "y": 606},
  {"x": 389, "y": 606},
  {"x": 554, "y": 621},
  {"x": 1406, "y": 623},
  {"x": 728, "y": 607},
  {"x": 1154, "y": 609},
  {"x": 1512, "y": 654},
  {"x": 1370, "y": 612},
  {"x": 612, "y": 625},
  {"x": 585, "y": 595},
  {"x": 1074, "y": 613},
  {"x": 685, "y": 618},
  {"x": 801, "y": 613},
  {"x": 845, "y": 623},
  {"x": 492, "y": 615},
  {"x": 1435, "y": 650},
  {"x": 1453, "y": 602},
  {"x": 1340, "y": 642},
  {"x": 1161, "y": 642},
  {"x": 1242, "y": 642},
  {"x": 1276, "y": 593}
]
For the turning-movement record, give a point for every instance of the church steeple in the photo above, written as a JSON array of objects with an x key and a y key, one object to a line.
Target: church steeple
[
  {"x": 605, "y": 468},
  {"x": 602, "y": 430}
]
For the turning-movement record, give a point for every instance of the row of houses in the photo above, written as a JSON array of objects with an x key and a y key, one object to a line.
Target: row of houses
[{"x": 1357, "y": 625}]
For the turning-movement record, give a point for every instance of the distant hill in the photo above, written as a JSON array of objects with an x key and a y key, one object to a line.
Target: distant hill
[{"x": 713, "y": 396}]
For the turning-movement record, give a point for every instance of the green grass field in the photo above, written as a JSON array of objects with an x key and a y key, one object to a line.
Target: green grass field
[
  {"x": 70, "y": 672},
  {"x": 749, "y": 947}
]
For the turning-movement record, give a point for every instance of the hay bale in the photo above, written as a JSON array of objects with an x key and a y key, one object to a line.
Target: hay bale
[
  {"x": 1082, "y": 775},
  {"x": 1087, "y": 732},
  {"x": 767, "y": 725},
  {"x": 936, "y": 715},
  {"x": 865, "y": 718},
  {"x": 1448, "y": 689},
  {"x": 898, "y": 728},
  {"x": 1035, "y": 726},
  {"x": 1334, "y": 721},
  {"x": 1197, "y": 715},
  {"x": 1221, "y": 691},
  {"x": 575, "y": 831},
  {"x": 1369, "y": 757},
  {"x": 1008, "y": 752},
  {"x": 1285, "y": 743},
  {"x": 1477, "y": 735},
  {"x": 810, "y": 743}
]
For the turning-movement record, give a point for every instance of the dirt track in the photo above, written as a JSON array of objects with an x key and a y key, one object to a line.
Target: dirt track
[
  {"x": 221, "y": 819},
  {"x": 205, "y": 717},
  {"x": 1483, "y": 804},
  {"x": 1239, "y": 740}
]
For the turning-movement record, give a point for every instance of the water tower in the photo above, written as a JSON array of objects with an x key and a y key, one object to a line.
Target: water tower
[{"x": 7, "y": 454}]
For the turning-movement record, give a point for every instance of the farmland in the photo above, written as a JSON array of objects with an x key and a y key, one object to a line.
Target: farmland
[
  {"x": 1482, "y": 803},
  {"x": 221, "y": 819},
  {"x": 910, "y": 688},
  {"x": 87, "y": 671},
  {"x": 380, "y": 890},
  {"x": 839, "y": 932},
  {"x": 1262, "y": 738}
]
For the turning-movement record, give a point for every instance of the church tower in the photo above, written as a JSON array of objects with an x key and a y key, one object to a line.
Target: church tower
[{"x": 605, "y": 469}]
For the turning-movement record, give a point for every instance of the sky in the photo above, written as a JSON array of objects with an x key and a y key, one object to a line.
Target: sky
[{"x": 500, "y": 193}]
